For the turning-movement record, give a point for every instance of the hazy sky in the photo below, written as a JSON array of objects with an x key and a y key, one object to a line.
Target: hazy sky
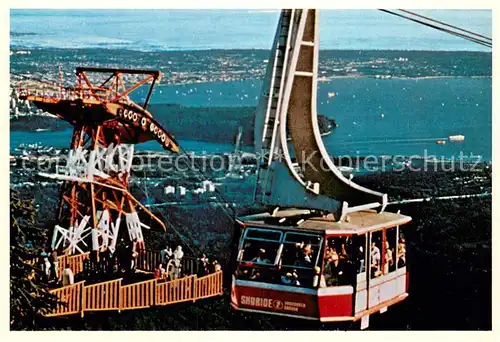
[{"x": 229, "y": 29}]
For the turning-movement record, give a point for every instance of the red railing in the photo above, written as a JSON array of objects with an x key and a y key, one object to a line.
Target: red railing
[{"x": 48, "y": 91}]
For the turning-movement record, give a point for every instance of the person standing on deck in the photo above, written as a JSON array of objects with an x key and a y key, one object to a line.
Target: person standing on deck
[
  {"x": 67, "y": 276},
  {"x": 166, "y": 254},
  {"x": 54, "y": 262}
]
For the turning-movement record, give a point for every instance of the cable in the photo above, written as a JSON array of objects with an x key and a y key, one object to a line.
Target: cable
[
  {"x": 445, "y": 24},
  {"x": 474, "y": 39},
  {"x": 428, "y": 199},
  {"x": 461, "y": 35}
]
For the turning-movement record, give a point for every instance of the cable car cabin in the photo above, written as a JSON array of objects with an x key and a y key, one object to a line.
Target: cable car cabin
[{"x": 317, "y": 269}]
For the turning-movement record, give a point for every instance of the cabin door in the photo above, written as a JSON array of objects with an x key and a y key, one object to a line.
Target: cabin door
[{"x": 362, "y": 259}]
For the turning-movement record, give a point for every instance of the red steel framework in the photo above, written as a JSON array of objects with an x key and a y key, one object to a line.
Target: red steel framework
[{"x": 107, "y": 124}]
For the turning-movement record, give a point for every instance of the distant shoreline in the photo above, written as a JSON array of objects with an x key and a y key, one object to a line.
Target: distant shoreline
[
  {"x": 326, "y": 79},
  {"x": 174, "y": 50}
]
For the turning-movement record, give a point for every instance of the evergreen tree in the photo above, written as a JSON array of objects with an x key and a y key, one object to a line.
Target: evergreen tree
[{"x": 29, "y": 295}]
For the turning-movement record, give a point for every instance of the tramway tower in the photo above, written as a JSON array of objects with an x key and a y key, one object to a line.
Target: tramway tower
[
  {"x": 95, "y": 200},
  {"x": 295, "y": 169}
]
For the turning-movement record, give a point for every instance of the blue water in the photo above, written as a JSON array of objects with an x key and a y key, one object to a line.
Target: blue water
[
  {"x": 417, "y": 112},
  {"x": 159, "y": 30},
  {"x": 61, "y": 139}
]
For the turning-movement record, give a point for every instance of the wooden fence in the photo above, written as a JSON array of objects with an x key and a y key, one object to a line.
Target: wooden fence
[
  {"x": 208, "y": 286},
  {"x": 138, "y": 295},
  {"x": 175, "y": 291},
  {"x": 112, "y": 295},
  {"x": 102, "y": 296},
  {"x": 70, "y": 296}
]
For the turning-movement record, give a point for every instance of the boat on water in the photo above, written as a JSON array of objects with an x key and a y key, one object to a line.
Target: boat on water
[
  {"x": 458, "y": 137},
  {"x": 440, "y": 142},
  {"x": 332, "y": 94}
]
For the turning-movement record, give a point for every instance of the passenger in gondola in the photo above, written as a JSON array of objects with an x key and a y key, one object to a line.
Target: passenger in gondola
[
  {"x": 286, "y": 278},
  {"x": 308, "y": 254},
  {"x": 401, "y": 255},
  {"x": 261, "y": 258},
  {"x": 244, "y": 274},
  {"x": 290, "y": 278},
  {"x": 343, "y": 256},
  {"x": 402, "y": 240},
  {"x": 328, "y": 252},
  {"x": 255, "y": 275},
  {"x": 295, "y": 278},
  {"x": 375, "y": 264},
  {"x": 334, "y": 271},
  {"x": 389, "y": 261}
]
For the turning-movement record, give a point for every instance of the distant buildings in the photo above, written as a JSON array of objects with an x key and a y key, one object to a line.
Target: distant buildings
[{"x": 205, "y": 190}]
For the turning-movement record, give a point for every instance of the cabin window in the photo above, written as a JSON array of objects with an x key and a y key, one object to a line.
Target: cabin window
[
  {"x": 299, "y": 258},
  {"x": 339, "y": 262},
  {"x": 300, "y": 250},
  {"x": 271, "y": 256},
  {"x": 258, "y": 253},
  {"x": 260, "y": 246},
  {"x": 376, "y": 254}
]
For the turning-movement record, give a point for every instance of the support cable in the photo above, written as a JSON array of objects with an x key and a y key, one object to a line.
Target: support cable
[
  {"x": 445, "y": 24},
  {"x": 482, "y": 41}
]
